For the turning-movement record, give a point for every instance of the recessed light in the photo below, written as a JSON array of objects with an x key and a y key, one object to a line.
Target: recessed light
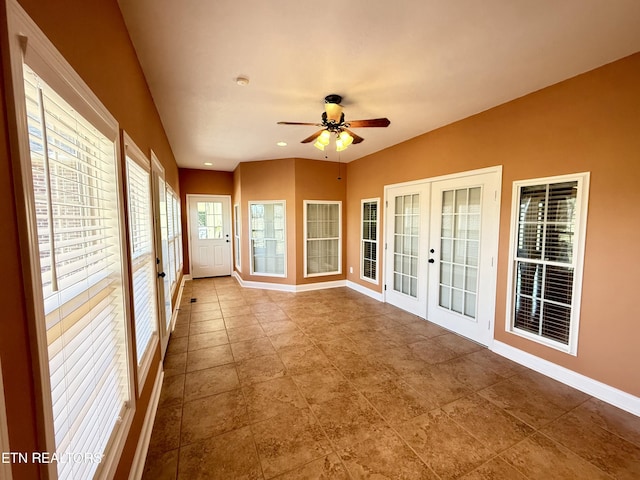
[
  {"x": 208, "y": 164},
  {"x": 281, "y": 144},
  {"x": 242, "y": 81}
]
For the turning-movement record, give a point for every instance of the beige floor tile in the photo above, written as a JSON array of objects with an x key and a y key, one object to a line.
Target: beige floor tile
[
  {"x": 203, "y": 383},
  {"x": 348, "y": 419},
  {"x": 493, "y": 426},
  {"x": 172, "y": 391},
  {"x": 493, "y": 361},
  {"x": 396, "y": 401},
  {"x": 612, "y": 419},
  {"x": 166, "y": 430},
  {"x": 432, "y": 352},
  {"x": 161, "y": 467},
  {"x": 252, "y": 348},
  {"x": 321, "y": 385},
  {"x": 209, "y": 339},
  {"x": 206, "y": 315},
  {"x": 271, "y": 316},
  {"x": 260, "y": 369},
  {"x": 271, "y": 398},
  {"x": 327, "y": 468},
  {"x": 437, "y": 386},
  {"x": 213, "y": 415},
  {"x": 236, "y": 310},
  {"x": 278, "y": 327},
  {"x": 241, "y": 334},
  {"x": 607, "y": 451},
  {"x": 495, "y": 469},
  {"x": 540, "y": 458},
  {"x": 303, "y": 359},
  {"x": 175, "y": 364},
  {"x": 206, "y": 326},
  {"x": 227, "y": 456},
  {"x": 286, "y": 442},
  {"x": 447, "y": 448},
  {"x": 384, "y": 456},
  {"x": 178, "y": 345},
  {"x": 209, "y": 357},
  {"x": 471, "y": 374},
  {"x": 458, "y": 344},
  {"x": 240, "y": 321},
  {"x": 290, "y": 339}
]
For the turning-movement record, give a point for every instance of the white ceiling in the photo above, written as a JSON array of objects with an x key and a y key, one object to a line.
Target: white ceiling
[{"x": 421, "y": 63}]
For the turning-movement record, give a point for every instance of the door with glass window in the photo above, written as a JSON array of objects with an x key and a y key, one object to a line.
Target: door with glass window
[
  {"x": 463, "y": 240},
  {"x": 407, "y": 213},
  {"x": 209, "y": 235}
]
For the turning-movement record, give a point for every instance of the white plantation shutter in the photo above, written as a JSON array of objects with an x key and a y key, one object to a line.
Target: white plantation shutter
[
  {"x": 75, "y": 185},
  {"x": 171, "y": 234},
  {"x": 143, "y": 268}
]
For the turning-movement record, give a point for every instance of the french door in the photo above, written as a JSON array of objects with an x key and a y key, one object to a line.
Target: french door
[
  {"x": 161, "y": 228},
  {"x": 209, "y": 235},
  {"x": 441, "y": 249}
]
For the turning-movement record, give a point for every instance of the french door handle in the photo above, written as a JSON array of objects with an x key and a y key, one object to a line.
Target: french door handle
[
  {"x": 431, "y": 260},
  {"x": 162, "y": 275}
]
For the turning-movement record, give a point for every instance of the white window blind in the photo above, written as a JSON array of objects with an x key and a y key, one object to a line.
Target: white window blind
[
  {"x": 171, "y": 234},
  {"x": 164, "y": 240},
  {"x": 369, "y": 239},
  {"x": 75, "y": 187},
  {"x": 268, "y": 245},
  {"x": 322, "y": 238},
  {"x": 547, "y": 257},
  {"x": 143, "y": 265}
]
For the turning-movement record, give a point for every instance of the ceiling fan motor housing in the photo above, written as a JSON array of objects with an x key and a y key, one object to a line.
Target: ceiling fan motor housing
[{"x": 333, "y": 98}]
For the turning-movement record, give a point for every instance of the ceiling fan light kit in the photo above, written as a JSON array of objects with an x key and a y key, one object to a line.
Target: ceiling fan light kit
[{"x": 333, "y": 122}]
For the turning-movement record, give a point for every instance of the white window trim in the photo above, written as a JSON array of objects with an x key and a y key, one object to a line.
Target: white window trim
[
  {"x": 237, "y": 236},
  {"x": 22, "y": 32},
  {"x": 284, "y": 209},
  {"x": 582, "y": 202},
  {"x": 305, "y": 239},
  {"x": 377, "y": 242},
  {"x": 132, "y": 150}
]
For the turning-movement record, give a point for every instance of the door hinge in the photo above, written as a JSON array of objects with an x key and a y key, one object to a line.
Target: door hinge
[
  {"x": 385, "y": 287},
  {"x": 385, "y": 245},
  {"x": 386, "y": 204},
  {"x": 495, "y": 195}
]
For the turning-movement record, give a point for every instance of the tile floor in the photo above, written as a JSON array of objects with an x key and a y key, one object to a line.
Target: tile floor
[{"x": 331, "y": 384}]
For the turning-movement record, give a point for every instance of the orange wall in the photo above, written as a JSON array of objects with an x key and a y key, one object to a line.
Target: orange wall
[
  {"x": 318, "y": 180},
  {"x": 587, "y": 123},
  {"x": 268, "y": 180},
  {"x": 93, "y": 39},
  {"x": 200, "y": 182}
]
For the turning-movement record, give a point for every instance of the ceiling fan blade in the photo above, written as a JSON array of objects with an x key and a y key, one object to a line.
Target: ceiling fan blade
[
  {"x": 372, "y": 122},
  {"x": 300, "y": 123},
  {"x": 356, "y": 138},
  {"x": 312, "y": 137}
]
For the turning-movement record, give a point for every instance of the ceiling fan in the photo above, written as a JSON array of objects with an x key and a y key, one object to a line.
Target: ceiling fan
[{"x": 333, "y": 122}]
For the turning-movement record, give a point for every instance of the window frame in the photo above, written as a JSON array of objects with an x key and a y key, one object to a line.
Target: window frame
[
  {"x": 43, "y": 57},
  {"x": 132, "y": 151},
  {"x": 306, "y": 204},
  {"x": 364, "y": 201},
  {"x": 284, "y": 231},
  {"x": 581, "y": 205}
]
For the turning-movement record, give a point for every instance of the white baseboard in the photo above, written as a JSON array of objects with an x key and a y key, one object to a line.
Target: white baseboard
[
  {"x": 365, "y": 291},
  {"x": 602, "y": 391},
  {"x": 186, "y": 277},
  {"x": 174, "y": 315},
  {"x": 288, "y": 288},
  {"x": 137, "y": 468}
]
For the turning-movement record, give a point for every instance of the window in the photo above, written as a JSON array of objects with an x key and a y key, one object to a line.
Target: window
[
  {"x": 80, "y": 300},
  {"x": 236, "y": 235},
  {"x": 268, "y": 245},
  {"x": 369, "y": 240},
  {"x": 547, "y": 245},
  {"x": 171, "y": 235},
  {"x": 143, "y": 265},
  {"x": 322, "y": 232}
]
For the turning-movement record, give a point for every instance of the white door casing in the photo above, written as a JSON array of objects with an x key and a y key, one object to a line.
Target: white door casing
[
  {"x": 209, "y": 224},
  {"x": 162, "y": 251},
  {"x": 421, "y": 257}
]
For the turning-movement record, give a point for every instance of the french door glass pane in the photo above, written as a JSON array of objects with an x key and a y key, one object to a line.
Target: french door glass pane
[
  {"x": 406, "y": 235},
  {"x": 459, "y": 244}
]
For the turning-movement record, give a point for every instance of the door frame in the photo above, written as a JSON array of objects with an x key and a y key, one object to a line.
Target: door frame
[
  {"x": 491, "y": 276},
  {"x": 229, "y": 216}
]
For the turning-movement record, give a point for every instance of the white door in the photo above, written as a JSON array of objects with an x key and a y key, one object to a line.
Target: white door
[
  {"x": 462, "y": 255},
  {"x": 209, "y": 235},
  {"x": 161, "y": 229},
  {"x": 406, "y": 236}
]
